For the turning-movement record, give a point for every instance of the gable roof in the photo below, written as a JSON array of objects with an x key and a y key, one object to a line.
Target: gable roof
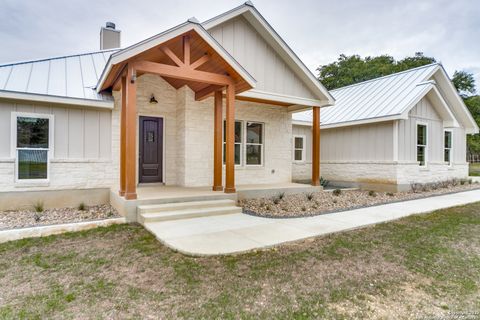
[
  {"x": 66, "y": 79},
  {"x": 261, "y": 25},
  {"x": 391, "y": 97},
  {"x": 119, "y": 57},
  {"x": 73, "y": 79}
]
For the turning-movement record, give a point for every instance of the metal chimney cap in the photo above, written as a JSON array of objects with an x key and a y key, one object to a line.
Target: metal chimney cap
[{"x": 110, "y": 25}]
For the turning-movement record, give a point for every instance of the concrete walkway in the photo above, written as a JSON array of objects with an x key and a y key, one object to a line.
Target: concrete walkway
[{"x": 240, "y": 232}]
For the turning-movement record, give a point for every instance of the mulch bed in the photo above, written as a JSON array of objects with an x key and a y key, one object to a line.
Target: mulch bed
[
  {"x": 31, "y": 218},
  {"x": 312, "y": 204}
]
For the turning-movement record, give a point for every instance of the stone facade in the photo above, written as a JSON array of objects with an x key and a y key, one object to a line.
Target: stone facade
[
  {"x": 189, "y": 135},
  {"x": 390, "y": 176}
]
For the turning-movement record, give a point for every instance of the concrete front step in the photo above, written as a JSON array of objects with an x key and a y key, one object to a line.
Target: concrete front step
[
  {"x": 186, "y": 210},
  {"x": 184, "y": 205}
]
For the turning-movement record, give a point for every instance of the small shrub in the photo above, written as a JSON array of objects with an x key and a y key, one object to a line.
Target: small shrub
[
  {"x": 82, "y": 206},
  {"x": 324, "y": 182},
  {"x": 372, "y": 193},
  {"x": 276, "y": 200},
  {"x": 38, "y": 207},
  {"x": 335, "y": 201},
  {"x": 337, "y": 192},
  {"x": 470, "y": 181},
  {"x": 304, "y": 208},
  {"x": 390, "y": 194},
  {"x": 463, "y": 181},
  {"x": 310, "y": 196},
  {"x": 281, "y": 195},
  {"x": 416, "y": 187},
  {"x": 37, "y": 216},
  {"x": 268, "y": 207},
  {"x": 454, "y": 182}
]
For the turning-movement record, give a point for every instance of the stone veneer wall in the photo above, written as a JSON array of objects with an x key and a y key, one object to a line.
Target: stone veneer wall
[
  {"x": 391, "y": 176},
  {"x": 189, "y": 135}
]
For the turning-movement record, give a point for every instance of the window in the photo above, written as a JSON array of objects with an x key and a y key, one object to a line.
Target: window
[
  {"x": 238, "y": 142},
  {"x": 254, "y": 143},
  {"x": 32, "y": 141},
  {"x": 422, "y": 144},
  {"x": 447, "y": 150},
  {"x": 299, "y": 148}
]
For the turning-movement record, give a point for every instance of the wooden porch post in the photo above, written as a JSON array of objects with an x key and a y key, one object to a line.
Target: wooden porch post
[
  {"x": 316, "y": 147},
  {"x": 217, "y": 142},
  {"x": 131, "y": 135},
  {"x": 123, "y": 136},
  {"x": 230, "y": 141}
]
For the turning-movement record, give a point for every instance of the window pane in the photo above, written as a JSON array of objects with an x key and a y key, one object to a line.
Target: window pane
[
  {"x": 446, "y": 156},
  {"x": 254, "y": 132},
  {"x": 298, "y": 143},
  {"x": 421, "y": 155},
  {"x": 298, "y": 155},
  {"x": 32, "y": 164},
  {"x": 32, "y": 132},
  {"x": 237, "y": 153},
  {"x": 448, "y": 139},
  {"x": 254, "y": 154},
  {"x": 421, "y": 134},
  {"x": 238, "y": 131}
]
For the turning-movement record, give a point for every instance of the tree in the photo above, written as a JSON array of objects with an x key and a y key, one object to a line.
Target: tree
[
  {"x": 464, "y": 82},
  {"x": 349, "y": 70}
]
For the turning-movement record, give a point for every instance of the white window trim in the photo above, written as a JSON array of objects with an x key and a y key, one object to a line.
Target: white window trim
[
  {"x": 243, "y": 145},
  {"x": 295, "y": 149},
  {"x": 450, "y": 162},
  {"x": 240, "y": 143},
  {"x": 426, "y": 145},
  {"x": 13, "y": 145},
  {"x": 262, "y": 145}
]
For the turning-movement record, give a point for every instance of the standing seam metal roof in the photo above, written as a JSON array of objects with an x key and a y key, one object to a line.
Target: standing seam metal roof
[
  {"x": 377, "y": 98},
  {"x": 74, "y": 76}
]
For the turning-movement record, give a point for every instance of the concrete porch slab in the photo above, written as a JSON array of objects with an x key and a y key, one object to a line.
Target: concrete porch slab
[{"x": 240, "y": 233}]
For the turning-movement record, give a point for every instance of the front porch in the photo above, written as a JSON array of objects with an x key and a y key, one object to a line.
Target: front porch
[
  {"x": 161, "y": 194},
  {"x": 188, "y": 61}
]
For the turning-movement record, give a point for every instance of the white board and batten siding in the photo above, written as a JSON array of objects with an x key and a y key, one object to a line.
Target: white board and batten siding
[
  {"x": 249, "y": 48},
  {"x": 373, "y": 142},
  {"x": 425, "y": 113},
  {"x": 79, "y": 133}
]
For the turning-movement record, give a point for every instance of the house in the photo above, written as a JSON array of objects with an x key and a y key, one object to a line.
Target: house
[
  {"x": 389, "y": 132},
  {"x": 199, "y": 105}
]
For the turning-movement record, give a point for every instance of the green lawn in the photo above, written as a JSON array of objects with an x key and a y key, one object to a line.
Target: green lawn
[
  {"x": 418, "y": 266},
  {"x": 474, "y": 169}
]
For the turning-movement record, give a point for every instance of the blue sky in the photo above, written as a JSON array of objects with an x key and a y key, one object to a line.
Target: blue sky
[{"x": 318, "y": 31}]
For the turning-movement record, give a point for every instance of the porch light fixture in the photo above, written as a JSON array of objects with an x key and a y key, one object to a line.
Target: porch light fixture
[{"x": 153, "y": 100}]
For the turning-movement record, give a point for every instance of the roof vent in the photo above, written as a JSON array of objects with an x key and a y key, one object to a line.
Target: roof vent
[{"x": 109, "y": 37}]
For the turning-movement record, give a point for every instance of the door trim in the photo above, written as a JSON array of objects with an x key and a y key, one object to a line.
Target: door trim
[{"x": 138, "y": 148}]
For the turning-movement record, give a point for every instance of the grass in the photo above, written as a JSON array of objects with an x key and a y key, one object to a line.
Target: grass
[
  {"x": 474, "y": 169},
  {"x": 420, "y": 266}
]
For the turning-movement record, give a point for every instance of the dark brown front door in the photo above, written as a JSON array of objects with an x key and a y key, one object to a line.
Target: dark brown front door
[{"x": 151, "y": 149}]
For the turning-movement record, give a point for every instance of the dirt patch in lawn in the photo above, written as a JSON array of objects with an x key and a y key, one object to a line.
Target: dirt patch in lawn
[
  {"x": 31, "y": 217},
  {"x": 410, "y": 268},
  {"x": 310, "y": 204}
]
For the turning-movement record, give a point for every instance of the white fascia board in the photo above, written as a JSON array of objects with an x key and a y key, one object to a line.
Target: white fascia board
[
  {"x": 280, "y": 46},
  {"x": 263, "y": 95},
  {"x": 473, "y": 127},
  {"x": 302, "y": 123},
  {"x": 451, "y": 121},
  {"x": 351, "y": 123},
  {"x": 56, "y": 99},
  {"x": 154, "y": 41}
]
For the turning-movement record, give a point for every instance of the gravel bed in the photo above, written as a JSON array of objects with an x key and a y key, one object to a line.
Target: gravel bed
[
  {"x": 30, "y": 218},
  {"x": 311, "y": 204}
]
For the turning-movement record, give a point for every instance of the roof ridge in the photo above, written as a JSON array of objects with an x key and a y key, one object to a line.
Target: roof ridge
[
  {"x": 387, "y": 76},
  {"x": 55, "y": 58}
]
